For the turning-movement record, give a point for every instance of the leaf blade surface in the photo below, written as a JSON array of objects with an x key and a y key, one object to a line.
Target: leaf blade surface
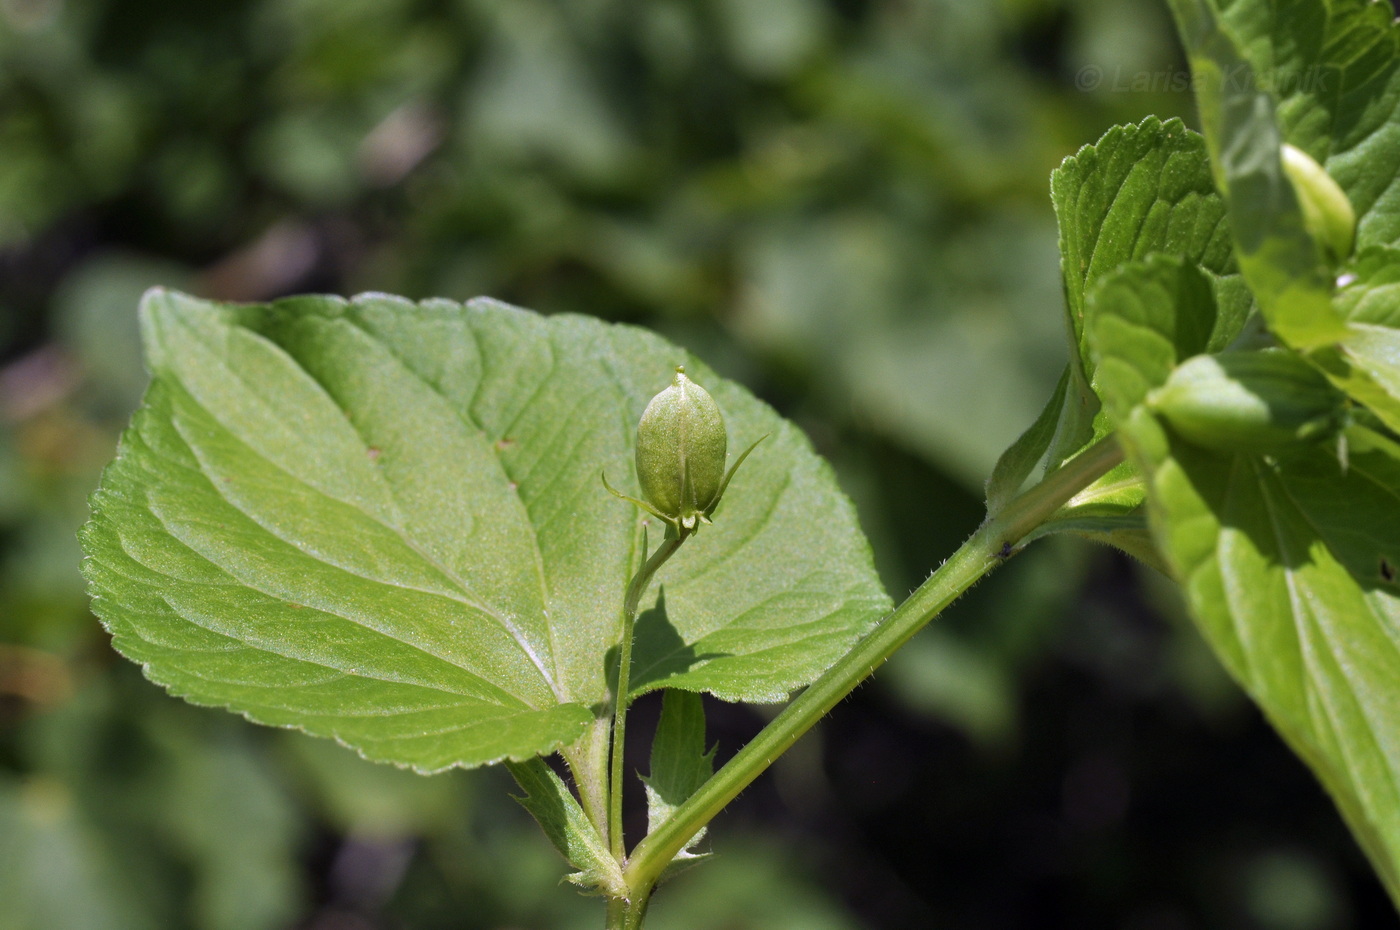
[{"x": 382, "y": 522}]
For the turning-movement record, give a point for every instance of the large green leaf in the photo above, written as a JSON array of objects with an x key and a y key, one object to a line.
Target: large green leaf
[
  {"x": 383, "y": 522},
  {"x": 1288, "y": 562},
  {"x": 1022, "y": 456}
]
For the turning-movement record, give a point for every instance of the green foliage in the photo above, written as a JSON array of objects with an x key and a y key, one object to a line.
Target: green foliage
[
  {"x": 1322, "y": 77},
  {"x": 1331, "y": 70},
  {"x": 713, "y": 158},
  {"x": 1020, "y": 459},
  {"x": 325, "y": 509},
  {"x": 1284, "y": 266},
  {"x": 1286, "y": 553},
  {"x": 1365, "y": 363},
  {"x": 1369, "y": 301},
  {"x": 1269, "y": 401},
  {"x": 840, "y": 204},
  {"x": 1284, "y": 561},
  {"x": 1138, "y": 190},
  {"x": 680, "y": 763},
  {"x": 558, "y": 813}
]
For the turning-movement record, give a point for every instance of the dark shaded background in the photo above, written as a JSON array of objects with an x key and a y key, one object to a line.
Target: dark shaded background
[{"x": 842, "y": 204}]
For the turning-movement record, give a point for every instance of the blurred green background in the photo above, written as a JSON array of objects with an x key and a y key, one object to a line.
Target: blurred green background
[{"x": 842, "y": 204}]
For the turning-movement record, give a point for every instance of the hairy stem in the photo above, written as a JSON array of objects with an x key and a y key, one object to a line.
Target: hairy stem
[
  {"x": 987, "y": 548},
  {"x": 635, "y": 590},
  {"x": 625, "y": 913}
]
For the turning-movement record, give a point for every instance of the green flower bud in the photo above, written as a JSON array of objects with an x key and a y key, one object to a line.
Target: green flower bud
[
  {"x": 1262, "y": 402},
  {"x": 681, "y": 448},
  {"x": 1327, "y": 213}
]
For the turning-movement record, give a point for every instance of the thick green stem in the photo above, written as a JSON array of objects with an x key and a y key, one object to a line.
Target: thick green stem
[
  {"x": 625, "y": 914},
  {"x": 635, "y": 589},
  {"x": 987, "y": 548}
]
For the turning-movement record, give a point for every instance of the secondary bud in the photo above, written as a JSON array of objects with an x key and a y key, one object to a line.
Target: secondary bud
[
  {"x": 1262, "y": 402},
  {"x": 681, "y": 449},
  {"x": 1327, "y": 213}
]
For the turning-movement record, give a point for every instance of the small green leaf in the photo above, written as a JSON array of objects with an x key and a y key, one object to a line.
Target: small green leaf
[
  {"x": 1018, "y": 461},
  {"x": 1287, "y": 563},
  {"x": 551, "y": 803},
  {"x": 382, "y": 522},
  {"x": 679, "y": 766},
  {"x": 680, "y": 763},
  {"x": 1161, "y": 310},
  {"x": 1110, "y": 509},
  {"x": 1139, "y": 190}
]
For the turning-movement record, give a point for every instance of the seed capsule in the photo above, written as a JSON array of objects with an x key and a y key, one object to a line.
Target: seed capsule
[
  {"x": 1263, "y": 402},
  {"x": 1327, "y": 213},
  {"x": 681, "y": 448}
]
